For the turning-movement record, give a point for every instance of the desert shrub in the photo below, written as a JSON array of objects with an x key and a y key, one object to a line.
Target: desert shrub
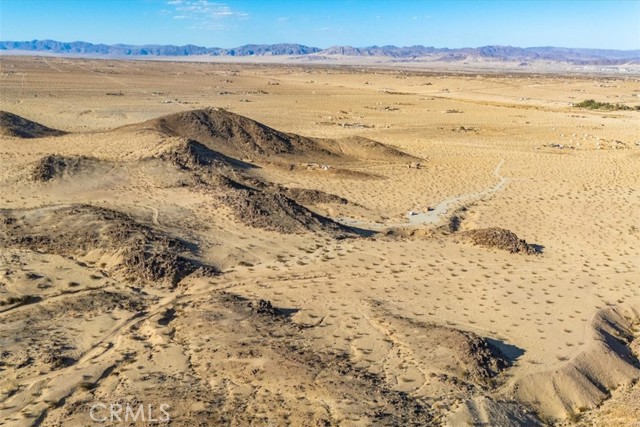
[{"x": 592, "y": 104}]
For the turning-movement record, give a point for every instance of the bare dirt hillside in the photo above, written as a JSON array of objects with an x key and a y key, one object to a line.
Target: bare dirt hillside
[
  {"x": 19, "y": 127},
  {"x": 252, "y": 244},
  {"x": 233, "y": 134}
]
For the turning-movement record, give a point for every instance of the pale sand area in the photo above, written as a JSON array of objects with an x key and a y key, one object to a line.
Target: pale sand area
[{"x": 565, "y": 319}]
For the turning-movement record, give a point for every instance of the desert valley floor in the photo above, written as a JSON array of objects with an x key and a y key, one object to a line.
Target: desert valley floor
[{"x": 317, "y": 246}]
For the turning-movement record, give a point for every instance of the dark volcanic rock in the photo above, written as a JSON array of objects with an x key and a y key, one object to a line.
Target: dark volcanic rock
[
  {"x": 140, "y": 252},
  {"x": 277, "y": 212},
  {"x": 52, "y": 166},
  {"x": 500, "y": 238},
  {"x": 16, "y": 126},
  {"x": 234, "y": 135}
]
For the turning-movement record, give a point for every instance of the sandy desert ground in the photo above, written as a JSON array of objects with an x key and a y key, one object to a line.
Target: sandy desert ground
[{"x": 316, "y": 246}]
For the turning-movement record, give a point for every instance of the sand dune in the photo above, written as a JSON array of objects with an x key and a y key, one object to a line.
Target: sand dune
[{"x": 585, "y": 382}]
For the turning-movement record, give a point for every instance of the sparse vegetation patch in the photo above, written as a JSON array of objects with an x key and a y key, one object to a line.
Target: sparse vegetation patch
[{"x": 592, "y": 104}]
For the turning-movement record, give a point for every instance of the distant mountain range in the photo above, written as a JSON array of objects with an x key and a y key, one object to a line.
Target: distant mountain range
[
  {"x": 499, "y": 53},
  {"x": 53, "y": 46}
]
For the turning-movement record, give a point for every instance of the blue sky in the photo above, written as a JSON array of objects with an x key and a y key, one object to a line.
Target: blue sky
[{"x": 212, "y": 23}]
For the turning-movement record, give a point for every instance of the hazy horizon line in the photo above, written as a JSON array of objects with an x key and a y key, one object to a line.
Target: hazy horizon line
[{"x": 318, "y": 47}]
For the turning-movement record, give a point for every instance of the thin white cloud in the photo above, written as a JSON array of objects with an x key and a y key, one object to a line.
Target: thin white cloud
[
  {"x": 211, "y": 26},
  {"x": 205, "y": 14}
]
